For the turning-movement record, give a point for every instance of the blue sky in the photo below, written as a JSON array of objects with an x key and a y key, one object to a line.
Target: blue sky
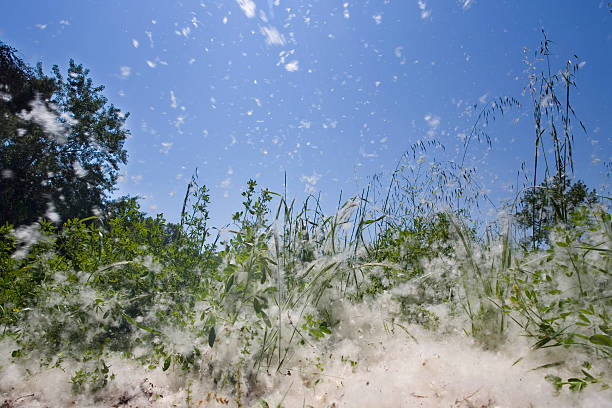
[{"x": 330, "y": 92}]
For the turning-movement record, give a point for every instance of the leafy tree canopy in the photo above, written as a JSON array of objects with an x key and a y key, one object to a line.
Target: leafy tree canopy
[
  {"x": 61, "y": 144},
  {"x": 550, "y": 203}
]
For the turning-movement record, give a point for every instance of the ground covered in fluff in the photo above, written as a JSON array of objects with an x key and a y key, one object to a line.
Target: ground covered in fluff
[{"x": 362, "y": 365}]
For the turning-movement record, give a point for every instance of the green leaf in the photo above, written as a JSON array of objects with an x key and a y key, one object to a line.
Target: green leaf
[
  {"x": 270, "y": 260},
  {"x": 588, "y": 376},
  {"x": 601, "y": 339},
  {"x": 368, "y": 222},
  {"x": 166, "y": 363},
  {"x": 266, "y": 319},
  {"x": 230, "y": 268},
  {"x": 263, "y": 403},
  {"x": 576, "y": 384},
  {"x": 556, "y": 381},
  {"x": 605, "y": 329},
  {"x": 139, "y": 325},
  {"x": 549, "y": 365},
  {"x": 547, "y": 339},
  {"x": 211, "y": 336},
  {"x": 256, "y": 306},
  {"x": 229, "y": 283}
]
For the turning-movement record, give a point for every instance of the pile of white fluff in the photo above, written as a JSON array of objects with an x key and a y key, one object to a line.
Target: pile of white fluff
[{"x": 362, "y": 364}]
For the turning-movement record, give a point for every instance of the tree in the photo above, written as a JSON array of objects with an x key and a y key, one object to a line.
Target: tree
[
  {"x": 550, "y": 204},
  {"x": 60, "y": 143}
]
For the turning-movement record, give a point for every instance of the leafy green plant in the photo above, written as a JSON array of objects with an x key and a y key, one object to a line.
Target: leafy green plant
[
  {"x": 576, "y": 383},
  {"x": 564, "y": 300},
  {"x": 316, "y": 328}
]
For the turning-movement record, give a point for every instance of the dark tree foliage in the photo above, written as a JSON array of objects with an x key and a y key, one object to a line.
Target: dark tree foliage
[
  {"x": 60, "y": 143},
  {"x": 549, "y": 204},
  {"x": 20, "y": 83}
]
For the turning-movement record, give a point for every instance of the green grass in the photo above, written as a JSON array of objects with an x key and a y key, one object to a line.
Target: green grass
[{"x": 126, "y": 286}]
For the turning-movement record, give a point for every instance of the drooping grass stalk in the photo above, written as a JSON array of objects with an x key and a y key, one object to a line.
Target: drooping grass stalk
[{"x": 548, "y": 110}]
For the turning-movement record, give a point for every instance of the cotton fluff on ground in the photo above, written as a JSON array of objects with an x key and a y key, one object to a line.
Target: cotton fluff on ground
[{"x": 362, "y": 364}]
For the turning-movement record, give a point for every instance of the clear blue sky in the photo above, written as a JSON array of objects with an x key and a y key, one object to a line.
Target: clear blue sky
[{"x": 330, "y": 92}]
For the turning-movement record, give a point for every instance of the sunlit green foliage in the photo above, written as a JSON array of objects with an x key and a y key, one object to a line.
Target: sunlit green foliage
[{"x": 125, "y": 282}]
